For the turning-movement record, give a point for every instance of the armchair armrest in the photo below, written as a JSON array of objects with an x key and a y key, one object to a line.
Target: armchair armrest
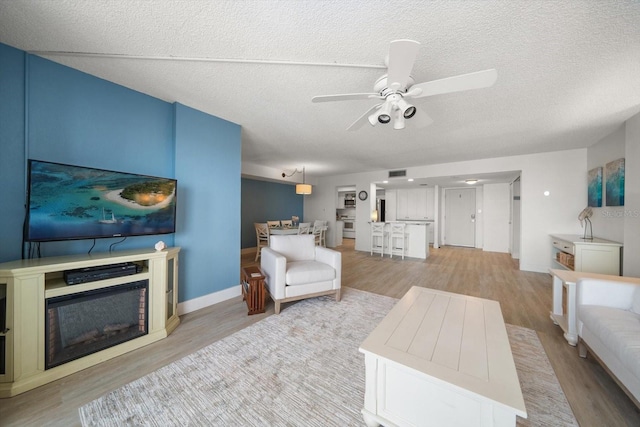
[
  {"x": 332, "y": 258},
  {"x": 609, "y": 293},
  {"x": 274, "y": 267}
]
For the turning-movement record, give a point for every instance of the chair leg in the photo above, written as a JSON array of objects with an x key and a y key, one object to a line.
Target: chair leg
[
  {"x": 338, "y": 295},
  {"x": 277, "y": 307},
  {"x": 257, "y": 253},
  {"x": 582, "y": 349}
]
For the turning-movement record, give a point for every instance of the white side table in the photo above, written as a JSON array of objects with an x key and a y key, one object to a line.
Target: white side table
[{"x": 568, "y": 279}]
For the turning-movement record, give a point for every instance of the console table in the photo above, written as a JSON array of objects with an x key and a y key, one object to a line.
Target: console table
[
  {"x": 572, "y": 252},
  {"x": 441, "y": 359},
  {"x": 25, "y": 285}
]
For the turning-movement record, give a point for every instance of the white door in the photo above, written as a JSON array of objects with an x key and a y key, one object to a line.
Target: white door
[{"x": 460, "y": 217}]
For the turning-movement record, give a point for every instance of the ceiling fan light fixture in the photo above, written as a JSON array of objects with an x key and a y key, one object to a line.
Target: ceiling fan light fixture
[
  {"x": 409, "y": 112},
  {"x": 382, "y": 115},
  {"x": 398, "y": 123},
  {"x": 384, "y": 118},
  {"x": 407, "y": 109}
]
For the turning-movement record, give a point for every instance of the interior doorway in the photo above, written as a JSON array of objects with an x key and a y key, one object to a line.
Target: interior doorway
[{"x": 460, "y": 217}]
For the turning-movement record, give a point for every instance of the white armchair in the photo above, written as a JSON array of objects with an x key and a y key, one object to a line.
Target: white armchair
[{"x": 295, "y": 268}]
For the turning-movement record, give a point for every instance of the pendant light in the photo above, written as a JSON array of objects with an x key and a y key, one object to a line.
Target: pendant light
[{"x": 303, "y": 188}]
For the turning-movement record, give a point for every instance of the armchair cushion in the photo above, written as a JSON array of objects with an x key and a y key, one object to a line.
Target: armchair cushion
[{"x": 303, "y": 272}]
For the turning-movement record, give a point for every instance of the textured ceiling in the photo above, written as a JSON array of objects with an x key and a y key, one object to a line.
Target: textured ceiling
[{"x": 568, "y": 71}]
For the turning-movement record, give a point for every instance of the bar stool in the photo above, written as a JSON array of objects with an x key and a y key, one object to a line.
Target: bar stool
[
  {"x": 377, "y": 238},
  {"x": 397, "y": 239}
]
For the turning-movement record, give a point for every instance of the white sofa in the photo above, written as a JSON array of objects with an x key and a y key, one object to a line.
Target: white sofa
[
  {"x": 608, "y": 314},
  {"x": 295, "y": 268}
]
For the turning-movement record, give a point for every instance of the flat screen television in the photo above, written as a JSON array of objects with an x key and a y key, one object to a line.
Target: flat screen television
[{"x": 67, "y": 202}]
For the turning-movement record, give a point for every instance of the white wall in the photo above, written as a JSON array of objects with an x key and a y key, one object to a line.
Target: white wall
[
  {"x": 631, "y": 254},
  {"x": 496, "y": 217},
  {"x": 608, "y": 221},
  {"x": 562, "y": 173}
]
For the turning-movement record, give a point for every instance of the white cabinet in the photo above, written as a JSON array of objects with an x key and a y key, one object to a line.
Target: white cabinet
[
  {"x": 571, "y": 252},
  {"x": 412, "y": 204},
  {"x": 431, "y": 193},
  {"x": 391, "y": 205},
  {"x": 340, "y": 200}
]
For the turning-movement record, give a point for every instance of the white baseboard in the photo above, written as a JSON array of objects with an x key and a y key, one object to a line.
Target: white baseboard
[{"x": 207, "y": 300}]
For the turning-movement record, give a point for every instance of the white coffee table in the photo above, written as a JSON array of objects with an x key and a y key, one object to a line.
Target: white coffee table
[{"x": 441, "y": 359}]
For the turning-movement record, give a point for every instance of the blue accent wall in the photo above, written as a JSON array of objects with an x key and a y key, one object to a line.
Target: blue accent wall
[
  {"x": 208, "y": 163},
  {"x": 79, "y": 119},
  {"x": 55, "y": 113},
  {"x": 264, "y": 201},
  {"x": 12, "y": 165}
]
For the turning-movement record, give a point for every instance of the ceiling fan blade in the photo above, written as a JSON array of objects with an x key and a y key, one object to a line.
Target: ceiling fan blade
[
  {"x": 402, "y": 55},
  {"x": 420, "y": 120},
  {"x": 344, "y": 97},
  {"x": 364, "y": 118},
  {"x": 459, "y": 83}
]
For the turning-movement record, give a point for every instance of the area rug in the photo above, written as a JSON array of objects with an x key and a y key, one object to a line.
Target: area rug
[{"x": 299, "y": 368}]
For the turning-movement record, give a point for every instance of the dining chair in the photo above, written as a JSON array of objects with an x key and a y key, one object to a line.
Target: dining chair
[
  {"x": 262, "y": 237},
  {"x": 286, "y": 223},
  {"x": 319, "y": 232},
  {"x": 304, "y": 228},
  {"x": 323, "y": 235},
  {"x": 272, "y": 224}
]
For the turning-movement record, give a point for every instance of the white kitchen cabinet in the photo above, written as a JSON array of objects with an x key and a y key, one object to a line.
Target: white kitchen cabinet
[
  {"x": 391, "y": 204},
  {"x": 412, "y": 204},
  {"x": 340, "y": 200},
  {"x": 431, "y": 193}
]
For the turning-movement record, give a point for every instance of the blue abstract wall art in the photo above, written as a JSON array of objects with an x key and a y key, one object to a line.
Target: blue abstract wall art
[
  {"x": 614, "y": 172},
  {"x": 595, "y": 188}
]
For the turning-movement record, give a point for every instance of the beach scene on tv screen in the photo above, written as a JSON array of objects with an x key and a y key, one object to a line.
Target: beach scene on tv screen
[{"x": 72, "y": 202}]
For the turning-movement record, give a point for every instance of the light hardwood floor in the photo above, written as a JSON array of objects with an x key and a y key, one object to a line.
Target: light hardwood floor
[{"x": 525, "y": 299}]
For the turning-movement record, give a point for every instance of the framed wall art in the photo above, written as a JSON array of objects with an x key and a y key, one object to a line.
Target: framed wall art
[
  {"x": 594, "y": 194},
  {"x": 614, "y": 174}
]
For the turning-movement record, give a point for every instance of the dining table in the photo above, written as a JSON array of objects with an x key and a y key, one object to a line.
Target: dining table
[{"x": 283, "y": 230}]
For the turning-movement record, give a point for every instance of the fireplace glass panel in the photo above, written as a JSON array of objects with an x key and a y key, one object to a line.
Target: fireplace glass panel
[
  {"x": 3, "y": 328},
  {"x": 169, "y": 291},
  {"x": 84, "y": 323}
]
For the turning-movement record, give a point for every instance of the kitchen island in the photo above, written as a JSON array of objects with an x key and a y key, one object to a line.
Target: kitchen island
[{"x": 417, "y": 243}]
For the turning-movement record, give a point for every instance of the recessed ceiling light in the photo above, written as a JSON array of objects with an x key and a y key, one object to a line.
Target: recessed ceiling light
[
  {"x": 470, "y": 181},
  {"x": 410, "y": 180},
  {"x": 385, "y": 182}
]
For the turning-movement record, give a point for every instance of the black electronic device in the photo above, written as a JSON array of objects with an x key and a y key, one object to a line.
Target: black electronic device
[{"x": 102, "y": 272}]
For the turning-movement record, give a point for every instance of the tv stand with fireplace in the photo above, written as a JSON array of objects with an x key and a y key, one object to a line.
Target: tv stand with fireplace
[{"x": 34, "y": 299}]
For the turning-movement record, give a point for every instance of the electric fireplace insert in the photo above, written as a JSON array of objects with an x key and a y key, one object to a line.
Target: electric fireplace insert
[{"x": 83, "y": 323}]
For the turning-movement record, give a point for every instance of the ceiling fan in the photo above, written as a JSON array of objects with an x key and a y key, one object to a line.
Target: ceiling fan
[{"x": 397, "y": 87}]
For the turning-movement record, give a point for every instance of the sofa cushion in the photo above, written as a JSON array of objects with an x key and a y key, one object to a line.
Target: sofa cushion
[
  {"x": 303, "y": 272},
  {"x": 618, "y": 329},
  {"x": 294, "y": 247}
]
